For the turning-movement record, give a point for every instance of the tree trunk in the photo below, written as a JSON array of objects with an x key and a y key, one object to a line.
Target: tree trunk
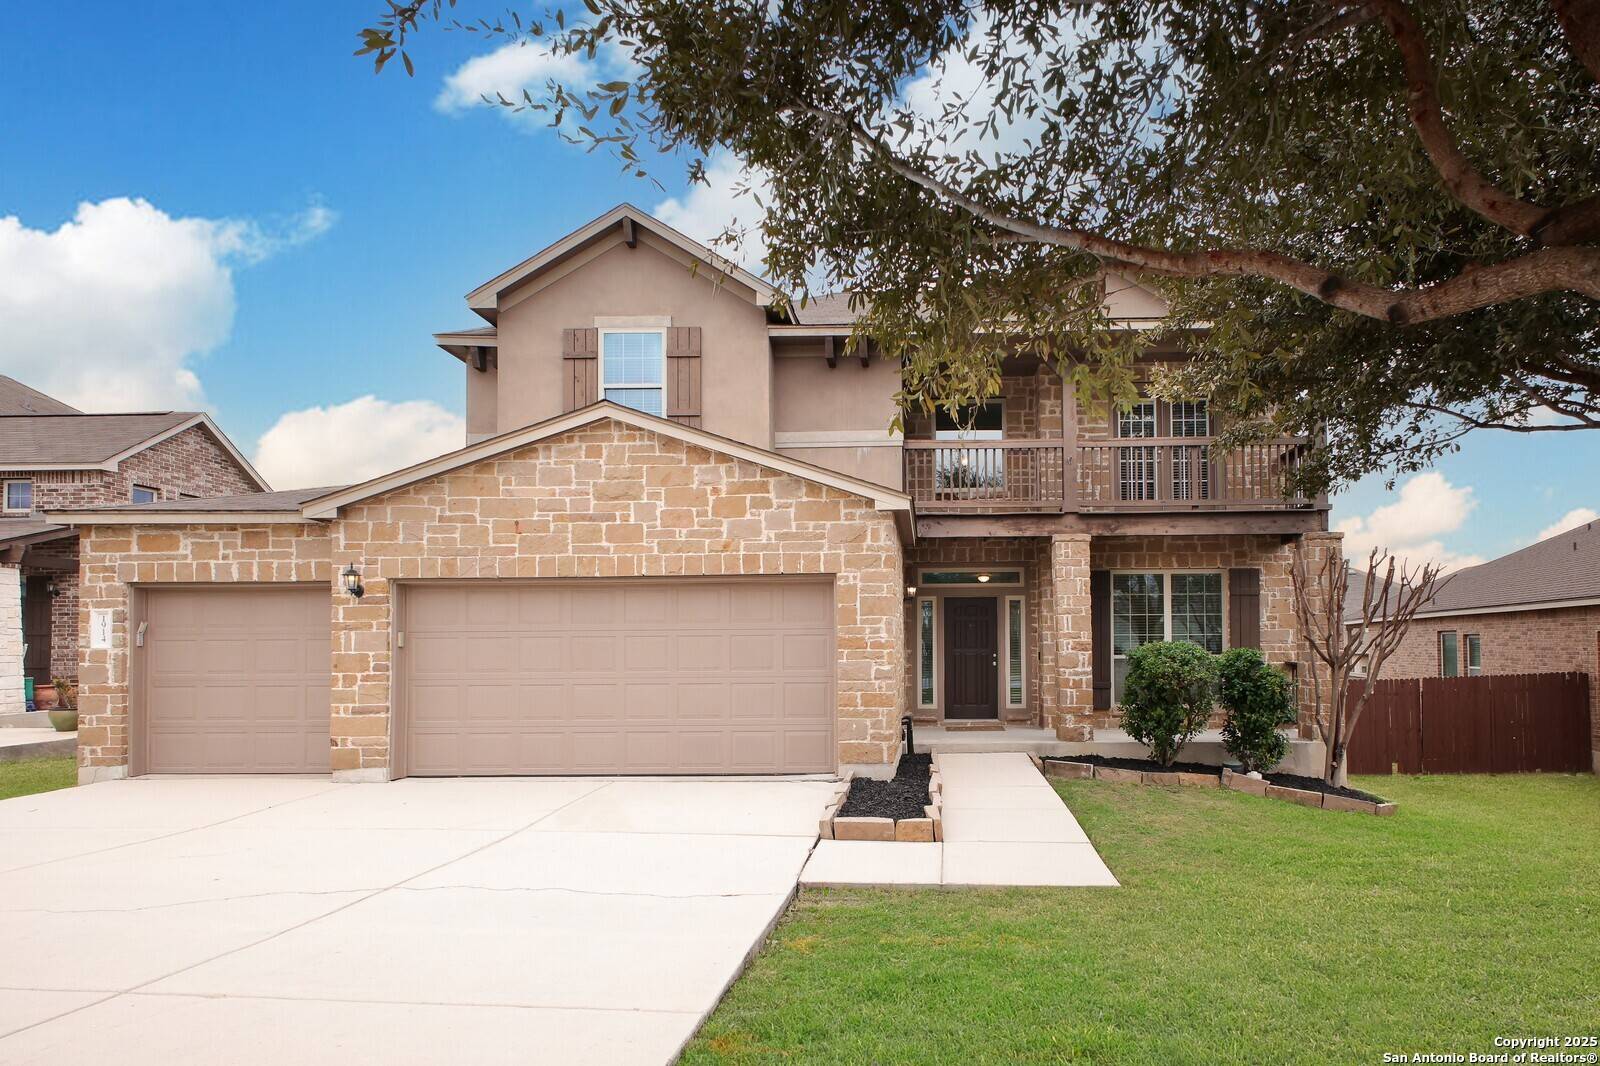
[{"x": 1339, "y": 770}]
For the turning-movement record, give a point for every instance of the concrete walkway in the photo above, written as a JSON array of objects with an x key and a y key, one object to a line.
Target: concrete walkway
[
  {"x": 256, "y": 920},
  {"x": 27, "y": 742},
  {"x": 1003, "y": 825}
]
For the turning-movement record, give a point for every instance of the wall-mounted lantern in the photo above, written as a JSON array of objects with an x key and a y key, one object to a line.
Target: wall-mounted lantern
[{"x": 352, "y": 580}]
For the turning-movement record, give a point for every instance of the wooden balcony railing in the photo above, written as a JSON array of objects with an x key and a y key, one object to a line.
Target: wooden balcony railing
[{"x": 1135, "y": 474}]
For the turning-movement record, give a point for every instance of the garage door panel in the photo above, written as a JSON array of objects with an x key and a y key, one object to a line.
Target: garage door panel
[
  {"x": 670, "y": 676},
  {"x": 236, "y": 680}
]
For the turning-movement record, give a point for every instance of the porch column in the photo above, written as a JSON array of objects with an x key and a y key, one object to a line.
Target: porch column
[
  {"x": 11, "y": 696},
  {"x": 1069, "y": 570}
]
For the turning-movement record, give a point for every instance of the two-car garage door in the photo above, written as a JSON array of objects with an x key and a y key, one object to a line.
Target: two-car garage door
[{"x": 597, "y": 677}]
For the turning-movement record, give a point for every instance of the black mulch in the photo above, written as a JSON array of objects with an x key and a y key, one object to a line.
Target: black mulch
[
  {"x": 1150, "y": 765},
  {"x": 903, "y": 796},
  {"x": 1316, "y": 784}
]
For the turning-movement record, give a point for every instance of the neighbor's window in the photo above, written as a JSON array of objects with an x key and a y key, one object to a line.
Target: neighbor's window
[
  {"x": 1014, "y": 651},
  {"x": 144, "y": 494},
  {"x": 1449, "y": 655},
  {"x": 632, "y": 369},
  {"x": 925, "y": 653},
  {"x": 1474, "y": 655},
  {"x": 19, "y": 495},
  {"x": 1162, "y": 606}
]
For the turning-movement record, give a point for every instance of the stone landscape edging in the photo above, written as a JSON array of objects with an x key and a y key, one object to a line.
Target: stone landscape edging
[
  {"x": 1225, "y": 778},
  {"x": 925, "y": 830}
]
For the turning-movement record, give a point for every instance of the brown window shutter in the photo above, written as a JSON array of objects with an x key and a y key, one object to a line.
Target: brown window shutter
[
  {"x": 1100, "y": 636},
  {"x": 1244, "y": 608},
  {"x": 683, "y": 374},
  {"x": 580, "y": 367}
]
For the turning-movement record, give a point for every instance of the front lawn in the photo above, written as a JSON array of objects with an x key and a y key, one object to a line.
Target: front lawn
[
  {"x": 1247, "y": 931},
  {"x": 27, "y": 776}
]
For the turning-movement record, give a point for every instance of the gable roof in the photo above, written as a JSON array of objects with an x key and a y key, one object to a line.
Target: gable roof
[
  {"x": 485, "y": 298},
  {"x": 99, "y": 442},
  {"x": 19, "y": 399},
  {"x": 328, "y": 506},
  {"x": 1559, "y": 571}
]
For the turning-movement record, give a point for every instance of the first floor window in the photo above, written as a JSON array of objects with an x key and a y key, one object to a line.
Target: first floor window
[
  {"x": 144, "y": 494},
  {"x": 1474, "y": 655},
  {"x": 1449, "y": 655},
  {"x": 1162, "y": 606},
  {"x": 19, "y": 495},
  {"x": 925, "y": 653},
  {"x": 1014, "y": 697},
  {"x": 633, "y": 369}
]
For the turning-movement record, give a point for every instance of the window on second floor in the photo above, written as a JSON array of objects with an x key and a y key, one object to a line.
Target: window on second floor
[
  {"x": 19, "y": 495},
  {"x": 1449, "y": 654},
  {"x": 633, "y": 370},
  {"x": 144, "y": 494}
]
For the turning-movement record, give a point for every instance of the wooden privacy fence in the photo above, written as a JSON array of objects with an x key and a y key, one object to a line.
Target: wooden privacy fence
[{"x": 1495, "y": 724}]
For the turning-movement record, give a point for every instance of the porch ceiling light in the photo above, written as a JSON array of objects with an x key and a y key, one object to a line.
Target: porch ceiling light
[
  {"x": 983, "y": 577},
  {"x": 351, "y": 577}
]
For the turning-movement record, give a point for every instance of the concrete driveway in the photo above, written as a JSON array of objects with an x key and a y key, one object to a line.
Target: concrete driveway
[{"x": 291, "y": 920}]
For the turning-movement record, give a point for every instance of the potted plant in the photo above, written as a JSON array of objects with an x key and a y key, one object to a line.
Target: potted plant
[{"x": 64, "y": 716}]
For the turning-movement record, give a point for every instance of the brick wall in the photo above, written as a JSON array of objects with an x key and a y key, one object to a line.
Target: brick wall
[
  {"x": 191, "y": 462},
  {"x": 1514, "y": 642},
  {"x": 603, "y": 501}
]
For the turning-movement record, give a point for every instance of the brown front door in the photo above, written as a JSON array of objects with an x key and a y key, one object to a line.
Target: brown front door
[
  {"x": 36, "y": 607},
  {"x": 971, "y": 657}
]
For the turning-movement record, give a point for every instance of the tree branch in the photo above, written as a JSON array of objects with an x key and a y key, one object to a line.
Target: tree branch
[
  {"x": 1580, "y": 20},
  {"x": 1577, "y": 269},
  {"x": 1558, "y": 226}
]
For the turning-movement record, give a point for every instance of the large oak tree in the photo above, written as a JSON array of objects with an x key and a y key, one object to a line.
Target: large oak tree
[{"x": 1377, "y": 218}]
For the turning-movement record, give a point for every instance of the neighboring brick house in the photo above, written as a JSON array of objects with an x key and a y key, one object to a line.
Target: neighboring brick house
[
  {"x": 1534, "y": 611},
  {"x": 682, "y": 537},
  {"x": 54, "y": 457}
]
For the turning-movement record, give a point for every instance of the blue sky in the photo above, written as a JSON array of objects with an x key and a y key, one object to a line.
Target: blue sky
[{"x": 311, "y": 225}]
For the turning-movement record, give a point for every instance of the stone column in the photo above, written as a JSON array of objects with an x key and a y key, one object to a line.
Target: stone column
[
  {"x": 11, "y": 696},
  {"x": 1069, "y": 567}
]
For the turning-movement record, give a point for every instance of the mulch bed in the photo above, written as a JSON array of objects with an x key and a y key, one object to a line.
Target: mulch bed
[
  {"x": 903, "y": 796},
  {"x": 1146, "y": 765},
  {"x": 1315, "y": 784}
]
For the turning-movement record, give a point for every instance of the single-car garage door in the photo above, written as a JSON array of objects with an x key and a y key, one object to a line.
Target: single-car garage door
[
  {"x": 235, "y": 680},
  {"x": 595, "y": 677}
]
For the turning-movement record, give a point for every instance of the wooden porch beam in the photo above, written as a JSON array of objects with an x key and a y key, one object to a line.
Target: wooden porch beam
[
  {"x": 630, "y": 233},
  {"x": 829, "y": 351}
]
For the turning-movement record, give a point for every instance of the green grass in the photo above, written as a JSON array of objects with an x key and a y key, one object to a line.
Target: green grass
[
  {"x": 1247, "y": 931},
  {"x": 27, "y": 776}
]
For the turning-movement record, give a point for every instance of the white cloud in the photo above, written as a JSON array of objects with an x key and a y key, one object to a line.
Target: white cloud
[
  {"x": 1578, "y": 516},
  {"x": 1428, "y": 508},
  {"x": 707, "y": 211},
  {"x": 349, "y": 442},
  {"x": 511, "y": 68},
  {"x": 109, "y": 311}
]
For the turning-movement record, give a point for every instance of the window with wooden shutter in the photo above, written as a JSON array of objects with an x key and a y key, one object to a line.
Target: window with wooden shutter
[
  {"x": 580, "y": 367},
  {"x": 683, "y": 374},
  {"x": 1100, "y": 636},
  {"x": 1244, "y": 608}
]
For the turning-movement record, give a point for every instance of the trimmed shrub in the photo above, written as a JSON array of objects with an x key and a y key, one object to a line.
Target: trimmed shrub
[
  {"x": 1258, "y": 700},
  {"x": 1168, "y": 695}
]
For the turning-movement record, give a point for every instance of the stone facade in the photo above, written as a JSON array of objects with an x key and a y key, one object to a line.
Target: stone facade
[
  {"x": 1513, "y": 642},
  {"x": 1280, "y": 639},
  {"x": 114, "y": 558},
  {"x": 11, "y": 693},
  {"x": 190, "y": 463},
  {"x": 602, "y": 501}
]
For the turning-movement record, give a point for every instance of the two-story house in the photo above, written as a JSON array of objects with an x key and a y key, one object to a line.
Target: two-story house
[
  {"x": 53, "y": 456},
  {"x": 681, "y": 537}
]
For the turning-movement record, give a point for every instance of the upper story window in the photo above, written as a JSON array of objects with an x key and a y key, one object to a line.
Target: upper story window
[
  {"x": 985, "y": 421},
  {"x": 632, "y": 368},
  {"x": 144, "y": 494},
  {"x": 19, "y": 495}
]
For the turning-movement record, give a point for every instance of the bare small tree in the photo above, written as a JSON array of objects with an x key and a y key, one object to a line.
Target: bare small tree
[{"x": 1391, "y": 596}]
